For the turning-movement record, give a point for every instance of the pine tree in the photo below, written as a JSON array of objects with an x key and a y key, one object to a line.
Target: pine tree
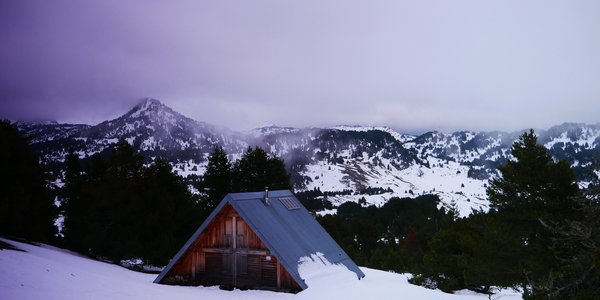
[
  {"x": 576, "y": 246},
  {"x": 26, "y": 208},
  {"x": 84, "y": 200},
  {"x": 125, "y": 162},
  {"x": 256, "y": 170},
  {"x": 166, "y": 215},
  {"x": 532, "y": 189},
  {"x": 279, "y": 178},
  {"x": 442, "y": 264},
  {"x": 71, "y": 203},
  {"x": 509, "y": 246},
  {"x": 119, "y": 209},
  {"x": 533, "y": 180},
  {"x": 216, "y": 181}
]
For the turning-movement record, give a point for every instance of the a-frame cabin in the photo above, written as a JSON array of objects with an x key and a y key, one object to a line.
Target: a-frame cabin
[{"x": 254, "y": 241}]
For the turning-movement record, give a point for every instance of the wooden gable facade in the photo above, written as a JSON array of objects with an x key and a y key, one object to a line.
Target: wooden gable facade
[{"x": 229, "y": 254}]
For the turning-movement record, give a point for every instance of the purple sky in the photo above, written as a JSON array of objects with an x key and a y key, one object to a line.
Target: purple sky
[{"x": 410, "y": 65}]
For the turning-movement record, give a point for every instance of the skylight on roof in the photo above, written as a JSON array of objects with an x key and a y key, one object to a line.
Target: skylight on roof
[{"x": 289, "y": 203}]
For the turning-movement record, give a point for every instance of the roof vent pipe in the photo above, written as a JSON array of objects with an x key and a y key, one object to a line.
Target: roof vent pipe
[{"x": 266, "y": 198}]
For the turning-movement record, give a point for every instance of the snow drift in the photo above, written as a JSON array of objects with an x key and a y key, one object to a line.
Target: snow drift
[{"x": 45, "y": 272}]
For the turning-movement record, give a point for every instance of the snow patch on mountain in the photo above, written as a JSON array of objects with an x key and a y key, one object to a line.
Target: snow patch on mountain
[
  {"x": 398, "y": 136},
  {"x": 587, "y": 137},
  {"x": 271, "y": 129},
  {"x": 446, "y": 179}
]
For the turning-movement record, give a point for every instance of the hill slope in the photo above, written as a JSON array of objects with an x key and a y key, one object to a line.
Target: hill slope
[{"x": 51, "y": 273}]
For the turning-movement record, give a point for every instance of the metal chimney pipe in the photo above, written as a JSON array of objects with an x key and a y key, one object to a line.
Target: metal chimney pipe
[{"x": 266, "y": 198}]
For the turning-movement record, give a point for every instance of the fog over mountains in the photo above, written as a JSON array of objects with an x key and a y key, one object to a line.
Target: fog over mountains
[{"x": 373, "y": 162}]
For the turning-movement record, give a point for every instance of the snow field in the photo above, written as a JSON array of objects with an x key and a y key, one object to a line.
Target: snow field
[{"x": 45, "y": 272}]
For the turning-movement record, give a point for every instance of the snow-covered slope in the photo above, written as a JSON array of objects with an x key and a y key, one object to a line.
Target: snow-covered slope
[
  {"x": 446, "y": 179},
  {"x": 49, "y": 273}
]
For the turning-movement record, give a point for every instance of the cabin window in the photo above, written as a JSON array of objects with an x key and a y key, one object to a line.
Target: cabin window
[{"x": 289, "y": 203}]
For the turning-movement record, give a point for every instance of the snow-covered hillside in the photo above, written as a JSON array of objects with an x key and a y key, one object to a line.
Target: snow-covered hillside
[
  {"x": 450, "y": 183},
  {"x": 49, "y": 273},
  {"x": 456, "y": 166}
]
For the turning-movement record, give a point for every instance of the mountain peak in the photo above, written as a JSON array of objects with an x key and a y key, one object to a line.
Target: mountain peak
[
  {"x": 155, "y": 126},
  {"x": 147, "y": 105},
  {"x": 153, "y": 110},
  {"x": 149, "y": 100},
  {"x": 149, "y": 115}
]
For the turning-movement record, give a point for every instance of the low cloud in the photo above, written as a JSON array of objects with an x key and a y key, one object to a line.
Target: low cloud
[{"x": 414, "y": 66}]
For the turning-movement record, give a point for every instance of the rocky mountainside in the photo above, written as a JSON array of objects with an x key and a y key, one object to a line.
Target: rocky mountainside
[
  {"x": 153, "y": 127},
  {"x": 354, "y": 162}
]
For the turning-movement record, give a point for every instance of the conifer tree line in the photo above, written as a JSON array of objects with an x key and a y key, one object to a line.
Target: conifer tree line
[
  {"x": 541, "y": 234},
  {"x": 114, "y": 205},
  {"x": 26, "y": 207},
  {"x": 254, "y": 171},
  {"x": 117, "y": 208}
]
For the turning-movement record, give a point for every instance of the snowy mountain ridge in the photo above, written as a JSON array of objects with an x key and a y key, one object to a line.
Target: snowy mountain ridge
[
  {"x": 398, "y": 136},
  {"x": 271, "y": 129},
  {"x": 456, "y": 166},
  {"x": 151, "y": 125}
]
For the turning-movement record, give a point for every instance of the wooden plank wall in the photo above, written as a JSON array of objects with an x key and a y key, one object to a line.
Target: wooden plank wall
[{"x": 210, "y": 259}]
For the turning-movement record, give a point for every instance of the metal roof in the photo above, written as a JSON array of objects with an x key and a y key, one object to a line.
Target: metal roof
[{"x": 288, "y": 234}]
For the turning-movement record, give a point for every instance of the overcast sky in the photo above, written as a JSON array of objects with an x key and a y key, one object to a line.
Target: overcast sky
[{"x": 410, "y": 65}]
